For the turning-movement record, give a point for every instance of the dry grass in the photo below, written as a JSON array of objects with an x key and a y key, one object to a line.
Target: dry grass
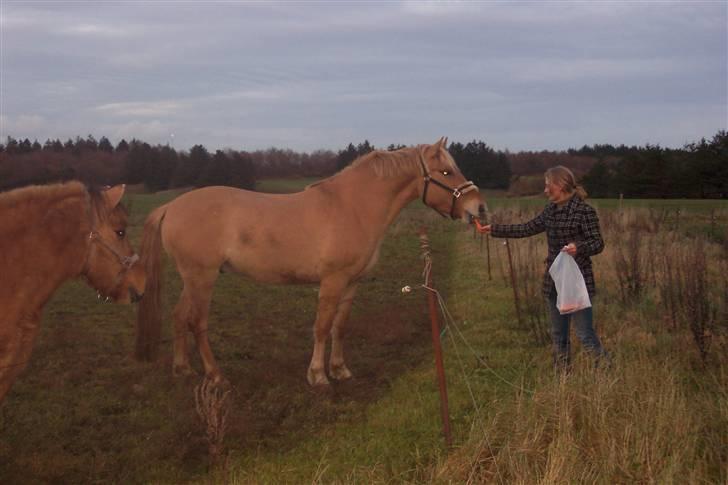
[
  {"x": 660, "y": 413},
  {"x": 212, "y": 404}
]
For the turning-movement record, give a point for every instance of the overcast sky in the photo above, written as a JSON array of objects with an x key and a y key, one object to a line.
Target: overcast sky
[{"x": 310, "y": 75}]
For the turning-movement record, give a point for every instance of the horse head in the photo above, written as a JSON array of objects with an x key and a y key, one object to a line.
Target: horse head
[
  {"x": 444, "y": 187},
  {"x": 110, "y": 265}
]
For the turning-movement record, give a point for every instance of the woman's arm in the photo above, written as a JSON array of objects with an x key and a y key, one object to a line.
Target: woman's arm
[
  {"x": 593, "y": 242},
  {"x": 530, "y": 228}
]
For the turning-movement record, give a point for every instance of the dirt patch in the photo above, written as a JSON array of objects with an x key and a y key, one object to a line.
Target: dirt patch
[
  {"x": 86, "y": 406},
  {"x": 391, "y": 327}
]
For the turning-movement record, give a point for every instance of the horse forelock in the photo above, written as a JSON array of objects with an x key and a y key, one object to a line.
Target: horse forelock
[
  {"x": 442, "y": 155},
  {"x": 99, "y": 205}
]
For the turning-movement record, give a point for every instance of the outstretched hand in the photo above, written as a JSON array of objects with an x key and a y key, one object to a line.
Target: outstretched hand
[{"x": 480, "y": 228}]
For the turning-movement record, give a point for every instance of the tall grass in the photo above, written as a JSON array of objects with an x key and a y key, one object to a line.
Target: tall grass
[
  {"x": 637, "y": 425},
  {"x": 659, "y": 415}
]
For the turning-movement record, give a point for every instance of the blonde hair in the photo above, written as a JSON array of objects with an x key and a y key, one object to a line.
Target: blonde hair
[{"x": 564, "y": 178}]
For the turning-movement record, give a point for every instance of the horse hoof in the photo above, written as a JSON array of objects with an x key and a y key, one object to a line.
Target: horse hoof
[
  {"x": 183, "y": 371},
  {"x": 219, "y": 382},
  {"x": 317, "y": 378},
  {"x": 340, "y": 373}
]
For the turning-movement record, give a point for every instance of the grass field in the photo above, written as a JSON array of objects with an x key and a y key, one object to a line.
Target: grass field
[{"x": 85, "y": 412}]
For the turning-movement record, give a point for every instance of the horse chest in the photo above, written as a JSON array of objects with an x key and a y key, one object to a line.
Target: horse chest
[{"x": 373, "y": 259}]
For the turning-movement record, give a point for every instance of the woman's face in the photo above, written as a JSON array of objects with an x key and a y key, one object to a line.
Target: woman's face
[{"x": 555, "y": 192}]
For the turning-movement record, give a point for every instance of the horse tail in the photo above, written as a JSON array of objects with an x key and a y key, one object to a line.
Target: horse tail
[{"x": 149, "y": 314}]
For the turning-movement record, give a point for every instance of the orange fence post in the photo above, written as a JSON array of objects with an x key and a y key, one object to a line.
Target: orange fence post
[{"x": 435, "y": 324}]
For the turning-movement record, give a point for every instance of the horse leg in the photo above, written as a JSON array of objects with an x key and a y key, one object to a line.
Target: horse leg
[
  {"x": 15, "y": 348},
  {"x": 190, "y": 315},
  {"x": 182, "y": 325},
  {"x": 329, "y": 297},
  {"x": 200, "y": 298},
  {"x": 337, "y": 367}
]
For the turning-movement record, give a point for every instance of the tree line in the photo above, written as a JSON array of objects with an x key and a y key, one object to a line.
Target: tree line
[{"x": 698, "y": 170}]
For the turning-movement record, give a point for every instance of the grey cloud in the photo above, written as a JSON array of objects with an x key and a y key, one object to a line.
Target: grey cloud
[{"x": 319, "y": 75}]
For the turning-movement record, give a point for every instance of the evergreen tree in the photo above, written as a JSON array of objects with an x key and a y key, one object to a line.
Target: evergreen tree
[
  {"x": 139, "y": 155},
  {"x": 105, "y": 145},
  {"x": 91, "y": 143},
  {"x": 351, "y": 153},
  {"x": 242, "y": 171},
  {"x": 478, "y": 162},
  {"x": 11, "y": 145},
  {"x": 25, "y": 146},
  {"x": 159, "y": 167},
  {"x": 599, "y": 181},
  {"x": 199, "y": 159},
  {"x": 217, "y": 171},
  {"x": 122, "y": 147}
]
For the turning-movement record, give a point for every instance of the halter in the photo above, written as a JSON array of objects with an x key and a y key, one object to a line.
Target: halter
[
  {"x": 127, "y": 262},
  {"x": 456, "y": 192}
]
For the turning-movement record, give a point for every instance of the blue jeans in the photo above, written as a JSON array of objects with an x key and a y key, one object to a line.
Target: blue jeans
[{"x": 583, "y": 321}]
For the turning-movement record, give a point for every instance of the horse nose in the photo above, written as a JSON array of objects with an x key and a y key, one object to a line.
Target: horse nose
[{"x": 134, "y": 295}]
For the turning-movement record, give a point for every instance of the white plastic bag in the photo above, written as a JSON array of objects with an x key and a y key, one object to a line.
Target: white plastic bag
[{"x": 571, "y": 293}]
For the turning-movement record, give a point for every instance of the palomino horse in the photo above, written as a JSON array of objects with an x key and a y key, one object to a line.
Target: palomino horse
[
  {"x": 49, "y": 234},
  {"x": 339, "y": 226}
]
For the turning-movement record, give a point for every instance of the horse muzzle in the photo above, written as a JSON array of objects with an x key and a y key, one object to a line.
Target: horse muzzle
[
  {"x": 134, "y": 295},
  {"x": 473, "y": 207}
]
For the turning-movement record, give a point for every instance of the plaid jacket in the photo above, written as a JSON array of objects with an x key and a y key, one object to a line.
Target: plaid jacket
[{"x": 575, "y": 222}]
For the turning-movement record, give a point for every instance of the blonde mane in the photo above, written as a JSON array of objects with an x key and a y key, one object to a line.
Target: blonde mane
[
  {"x": 33, "y": 193},
  {"x": 386, "y": 163},
  {"x": 32, "y": 203},
  {"x": 18, "y": 206}
]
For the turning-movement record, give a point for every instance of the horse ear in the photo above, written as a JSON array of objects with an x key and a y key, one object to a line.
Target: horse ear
[
  {"x": 443, "y": 142},
  {"x": 113, "y": 195}
]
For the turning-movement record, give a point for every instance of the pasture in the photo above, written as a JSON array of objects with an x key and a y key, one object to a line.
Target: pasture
[{"x": 84, "y": 411}]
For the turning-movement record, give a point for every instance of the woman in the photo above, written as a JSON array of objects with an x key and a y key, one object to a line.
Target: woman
[{"x": 571, "y": 226}]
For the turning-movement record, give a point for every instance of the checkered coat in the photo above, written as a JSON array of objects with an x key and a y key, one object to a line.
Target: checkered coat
[{"x": 576, "y": 222}]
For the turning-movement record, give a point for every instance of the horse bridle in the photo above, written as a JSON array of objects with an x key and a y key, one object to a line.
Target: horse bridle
[
  {"x": 127, "y": 262},
  {"x": 456, "y": 192}
]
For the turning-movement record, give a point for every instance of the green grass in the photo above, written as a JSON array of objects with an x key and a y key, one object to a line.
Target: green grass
[{"x": 85, "y": 411}]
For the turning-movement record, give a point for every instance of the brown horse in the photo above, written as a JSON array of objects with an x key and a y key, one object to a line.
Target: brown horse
[
  {"x": 339, "y": 226},
  {"x": 49, "y": 234}
]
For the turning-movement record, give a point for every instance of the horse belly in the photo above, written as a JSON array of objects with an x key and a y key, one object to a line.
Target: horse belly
[{"x": 272, "y": 269}]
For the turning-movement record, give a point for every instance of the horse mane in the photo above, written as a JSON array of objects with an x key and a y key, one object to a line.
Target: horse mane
[
  {"x": 387, "y": 163},
  {"x": 35, "y": 193},
  {"x": 33, "y": 202}
]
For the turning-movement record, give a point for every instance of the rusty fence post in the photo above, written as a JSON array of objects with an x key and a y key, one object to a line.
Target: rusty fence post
[
  {"x": 437, "y": 347},
  {"x": 487, "y": 253},
  {"x": 513, "y": 283}
]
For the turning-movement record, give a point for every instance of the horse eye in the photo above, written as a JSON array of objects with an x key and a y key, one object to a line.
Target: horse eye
[
  {"x": 121, "y": 233},
  {"x": 445, "y": 172}
]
